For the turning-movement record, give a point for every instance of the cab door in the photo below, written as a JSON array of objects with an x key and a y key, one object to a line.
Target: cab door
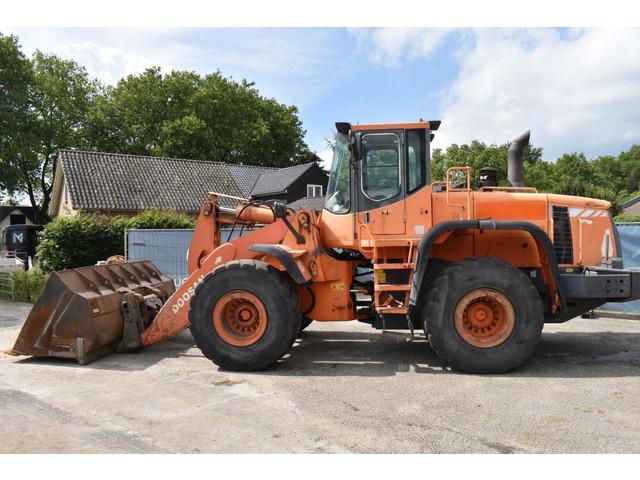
[{"x": 380, "y": 189}]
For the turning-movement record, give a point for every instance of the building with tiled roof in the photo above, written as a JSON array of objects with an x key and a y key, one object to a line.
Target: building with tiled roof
[
  {"x": 17, "y": 215},
  {"x": 113, "y": 184},
  {"x": 246, "y": 176}
]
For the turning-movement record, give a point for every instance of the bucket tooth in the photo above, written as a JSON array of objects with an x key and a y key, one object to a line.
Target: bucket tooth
[{"x": 80, "y": 313}]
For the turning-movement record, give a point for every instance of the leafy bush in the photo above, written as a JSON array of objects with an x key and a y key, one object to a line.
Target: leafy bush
[
  {"x": 627, "y": 217},
  {"x": 28, "y": 285},
  {"x": 72, "y": 242},
  {"x": 5, "y": 292},
  {"x": 158, "y": 219}
]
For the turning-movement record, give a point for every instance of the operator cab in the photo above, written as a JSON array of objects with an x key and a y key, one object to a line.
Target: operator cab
[{"x": 376, "y": 165}]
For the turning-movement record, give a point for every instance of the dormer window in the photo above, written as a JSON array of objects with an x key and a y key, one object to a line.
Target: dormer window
[{"x": 314, "y": 191}]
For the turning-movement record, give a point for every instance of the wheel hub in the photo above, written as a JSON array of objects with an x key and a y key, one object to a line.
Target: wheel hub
[
  {"x": 240, "y": 318},
  {"x": 484, "y": 318}
]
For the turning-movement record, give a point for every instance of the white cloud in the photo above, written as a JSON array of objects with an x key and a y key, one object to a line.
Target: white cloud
[
  {"x": 326, "y": 154},
  {"x": 577, "y": 89},
  {"x": 107, "y": 63},
  {"x": 107, "y": 54},
  {"x": 577, "y": 92},
  {"x": 288, "y": 64},
  {"x": 388, "y": 46}
]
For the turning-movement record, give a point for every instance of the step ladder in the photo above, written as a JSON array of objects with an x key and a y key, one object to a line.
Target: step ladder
[{"x": 391, "y": 296}]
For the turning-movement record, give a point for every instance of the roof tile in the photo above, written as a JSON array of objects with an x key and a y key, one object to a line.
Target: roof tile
[
  {"x": 277, "y": 181},
  {"x": 108, "y": 181}
]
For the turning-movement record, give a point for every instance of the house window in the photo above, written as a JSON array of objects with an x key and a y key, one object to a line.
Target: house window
[
  {"x": 17, "y": 219},
  {"x": 314, "y": 191}
]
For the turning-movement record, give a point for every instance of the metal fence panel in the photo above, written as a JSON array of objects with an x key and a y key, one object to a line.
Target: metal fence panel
[
  {"x": 167, "y": 249},
  {"x": 630, "y": 240}
]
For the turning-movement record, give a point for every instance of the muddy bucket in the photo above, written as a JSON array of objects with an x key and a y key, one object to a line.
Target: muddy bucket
[{"x": 80, "y": 313}]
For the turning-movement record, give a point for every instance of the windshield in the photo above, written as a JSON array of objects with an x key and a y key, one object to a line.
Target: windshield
[{"x": 338, "y": 191}]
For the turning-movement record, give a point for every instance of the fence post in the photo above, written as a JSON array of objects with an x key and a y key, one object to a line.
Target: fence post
[{"x": 126, "y": 243}]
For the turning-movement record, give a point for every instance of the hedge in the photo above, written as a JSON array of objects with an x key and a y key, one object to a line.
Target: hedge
[
  {"x": 171, "y": 219},
  {"x": 28, "y": 285},
  {"x": 81, "y": 240}
]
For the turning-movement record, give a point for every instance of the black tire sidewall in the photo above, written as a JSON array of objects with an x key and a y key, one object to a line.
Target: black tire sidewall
[
  {"x": 468, "y": 275},
  {"x": 280, "y": 302}
]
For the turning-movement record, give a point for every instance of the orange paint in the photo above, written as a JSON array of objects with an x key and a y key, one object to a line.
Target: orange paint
[
  {"x": 388, "y": 237},
  {"x": 389, "y": 126}
]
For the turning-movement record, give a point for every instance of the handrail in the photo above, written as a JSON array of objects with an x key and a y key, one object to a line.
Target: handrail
[
  {"x": 468, "y": 171},
  {"x": 223, "y": 195},
  {"x": 506, "y": 189}
]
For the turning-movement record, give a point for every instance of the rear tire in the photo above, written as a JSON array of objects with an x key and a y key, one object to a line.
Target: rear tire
[
  {"x": 245, "y": 315},
  {"x": 482, "y": 315}
]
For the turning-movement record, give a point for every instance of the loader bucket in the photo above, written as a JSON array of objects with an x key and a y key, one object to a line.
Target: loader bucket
[{"x": 79, "y": 313}]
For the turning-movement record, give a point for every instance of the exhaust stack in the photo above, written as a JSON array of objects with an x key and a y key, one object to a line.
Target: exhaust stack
[{"x": 515, "y": 160}]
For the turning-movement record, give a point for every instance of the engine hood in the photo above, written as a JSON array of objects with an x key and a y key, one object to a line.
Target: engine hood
[{"x": 571, "y": 201}]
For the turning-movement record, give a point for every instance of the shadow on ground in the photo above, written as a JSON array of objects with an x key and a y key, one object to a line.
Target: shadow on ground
[
  {"x": 559, "y": 354},
  {"x": 356, "y": 353},
  {"x": 136, "y": 361}
]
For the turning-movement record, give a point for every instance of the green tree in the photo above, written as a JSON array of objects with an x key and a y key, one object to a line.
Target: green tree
[
  {"x": 185, "y": 115},
  {"x": 16, "y": 77},
  {"x": 477, "y": 155},
  {"x": 43, "y": 108},
  {"x": 61, "y": 95},
  {"x": 540, "y": 175},
  {"x": 612, "y": 178},
  {"x": 630, "y": 161}
]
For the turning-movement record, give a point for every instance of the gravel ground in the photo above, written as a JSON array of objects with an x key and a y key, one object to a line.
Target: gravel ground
[{"x": 344, "y": 388}]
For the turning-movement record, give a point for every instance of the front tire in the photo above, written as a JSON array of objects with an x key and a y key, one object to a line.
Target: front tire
[
  {"x": 245, "y": 315},
  {"x": 482, "y": 315},
  {"x": 306, "y": 321}
]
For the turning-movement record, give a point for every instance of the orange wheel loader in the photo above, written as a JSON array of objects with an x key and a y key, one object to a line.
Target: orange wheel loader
[{"x": 479, "y": 268}]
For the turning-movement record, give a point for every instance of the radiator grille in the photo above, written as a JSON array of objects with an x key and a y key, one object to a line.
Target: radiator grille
[{"x": 562, "y": 243}]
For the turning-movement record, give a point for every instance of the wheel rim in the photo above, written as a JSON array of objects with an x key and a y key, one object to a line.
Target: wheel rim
[
  {"x": 240, "y": 318},
  {"x": 484, "y": 318}
]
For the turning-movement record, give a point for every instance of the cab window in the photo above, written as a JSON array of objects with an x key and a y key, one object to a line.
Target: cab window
[
  {"x": 338, "y": 199},
  {"x": 380, "y": 165},
  {"x": 416, "y": 161}
]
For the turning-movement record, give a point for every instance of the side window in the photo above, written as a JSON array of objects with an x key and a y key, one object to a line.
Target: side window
[
  {"x": 314, "y": 191},
  {"x": 380, "y": 165},
  {"x": 416, "y": 161}
]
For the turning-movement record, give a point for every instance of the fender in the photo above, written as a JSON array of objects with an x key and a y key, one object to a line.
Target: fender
[
  {"x": 426, "y": 243},
  {"x": 285, "y": 258}
]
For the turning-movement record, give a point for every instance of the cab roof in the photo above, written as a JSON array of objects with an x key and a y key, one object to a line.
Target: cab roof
[{"x": 430, "y": 125}]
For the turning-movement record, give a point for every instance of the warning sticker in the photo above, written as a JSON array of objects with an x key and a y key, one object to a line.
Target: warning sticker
[{"x": 337, "y": 286}]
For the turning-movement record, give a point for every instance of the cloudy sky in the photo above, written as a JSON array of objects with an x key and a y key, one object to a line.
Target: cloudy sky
[{"x": 576, "y": 89}]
